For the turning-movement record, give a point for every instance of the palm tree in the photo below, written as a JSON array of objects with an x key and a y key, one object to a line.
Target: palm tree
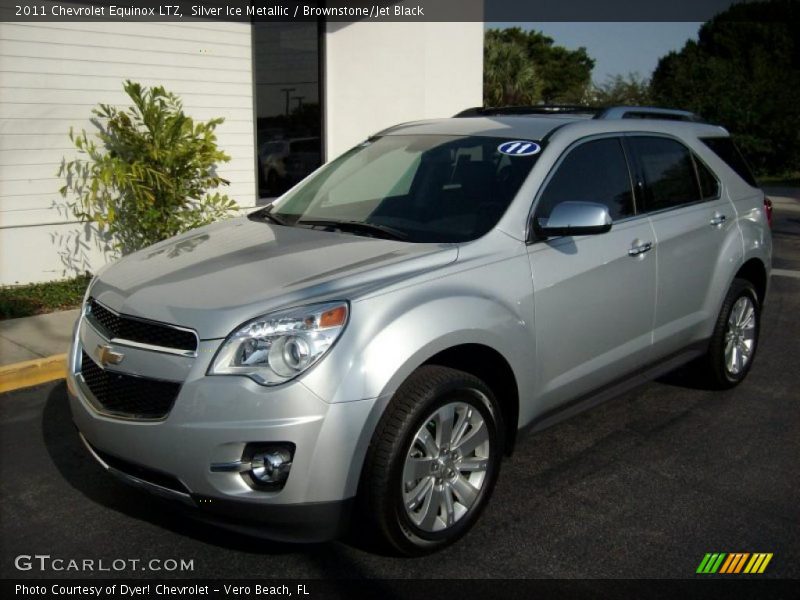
[{"x": 509, "y": 76}]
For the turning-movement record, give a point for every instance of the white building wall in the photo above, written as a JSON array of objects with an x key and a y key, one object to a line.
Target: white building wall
[
  {"x": 380, "y": 74},
  {"x": 53, "y": 74}
]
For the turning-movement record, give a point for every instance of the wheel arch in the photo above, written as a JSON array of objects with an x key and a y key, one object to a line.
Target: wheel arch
[
  {"x": 496, "y": 372},
  {"x": 441, "y": 335},
  {"x": 491, "y": 367},
  {"x": 754, "y": 271}
]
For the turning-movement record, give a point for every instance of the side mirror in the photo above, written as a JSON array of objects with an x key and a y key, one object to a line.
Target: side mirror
[{"x": 574, "y": 218}]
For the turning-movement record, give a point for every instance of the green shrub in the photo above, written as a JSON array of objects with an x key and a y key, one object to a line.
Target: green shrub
[
  {"x": 148, "y": 177},
  {"x": 36, "y": 298}
]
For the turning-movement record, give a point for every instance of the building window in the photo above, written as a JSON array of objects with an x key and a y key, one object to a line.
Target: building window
[{"x": 287, "y": 88}]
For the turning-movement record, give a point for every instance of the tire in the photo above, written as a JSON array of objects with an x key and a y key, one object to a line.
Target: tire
[
  {"x": 734, "y": 332},
  {"x": 421, "y": 491}
]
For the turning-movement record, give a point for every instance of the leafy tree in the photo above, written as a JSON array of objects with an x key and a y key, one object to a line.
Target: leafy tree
[
  {"x": 526, "y": 67},
  {"x": 148, "y": 176},
  {"x": 619, "y": 90},
  {"x": 743, "y": 73}
]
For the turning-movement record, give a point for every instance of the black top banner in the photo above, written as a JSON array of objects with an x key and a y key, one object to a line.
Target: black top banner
[{"x": 363, "y": 10}]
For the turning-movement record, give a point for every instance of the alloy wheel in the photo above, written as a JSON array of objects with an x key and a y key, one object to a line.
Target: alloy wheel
[
  {"x": 446, "y": 467},
  {"x": 740, "y": 335}
]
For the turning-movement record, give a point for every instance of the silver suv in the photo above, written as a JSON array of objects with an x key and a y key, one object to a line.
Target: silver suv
[{"x": 374, "y": 340}]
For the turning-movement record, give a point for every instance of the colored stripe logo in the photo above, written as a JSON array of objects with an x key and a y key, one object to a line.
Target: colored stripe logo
[{"x": 734, "y": 563}]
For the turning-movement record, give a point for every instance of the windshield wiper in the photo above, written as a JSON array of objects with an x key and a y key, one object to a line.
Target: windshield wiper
[
  {"x": 266, "y": 214},
  {"x": 358, "y": 227}
]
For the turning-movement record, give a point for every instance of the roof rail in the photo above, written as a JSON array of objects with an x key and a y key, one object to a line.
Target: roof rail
[
  {"x": 648, "y": 112},
  {"x": 540, "y": 109},
  {"x": 596, "y": 112}
]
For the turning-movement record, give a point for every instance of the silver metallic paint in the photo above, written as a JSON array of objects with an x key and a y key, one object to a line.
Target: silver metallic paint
[{"x": 567, "y": 314}]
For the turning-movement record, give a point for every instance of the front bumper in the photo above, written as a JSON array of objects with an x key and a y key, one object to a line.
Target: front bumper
[
  {"x": 212, "y": 420},
  {"x": 313, "y": 522}
]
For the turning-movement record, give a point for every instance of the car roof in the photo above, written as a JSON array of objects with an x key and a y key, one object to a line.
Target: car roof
[
  {"x": 496, "y": 126},
  {"x": 540, "y": 127}
]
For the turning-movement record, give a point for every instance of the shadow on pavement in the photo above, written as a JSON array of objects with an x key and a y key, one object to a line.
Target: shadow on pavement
[{"x": 689, "y": 377}]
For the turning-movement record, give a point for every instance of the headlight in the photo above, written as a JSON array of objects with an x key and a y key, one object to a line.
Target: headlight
[{"x": 279, "y": 346}]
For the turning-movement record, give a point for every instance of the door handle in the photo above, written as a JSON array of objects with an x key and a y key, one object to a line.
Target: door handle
[
  {"x": 640, "y": 249},
  {"x": 718, "y": 220}
]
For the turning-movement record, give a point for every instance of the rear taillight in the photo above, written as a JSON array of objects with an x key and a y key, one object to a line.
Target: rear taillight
[{"x": 768, "y": 210}]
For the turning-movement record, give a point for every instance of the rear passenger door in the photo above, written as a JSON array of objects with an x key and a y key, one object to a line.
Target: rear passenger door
[
  {"x": 691, "y": 220},
  {"x": 594, "y": 295}
]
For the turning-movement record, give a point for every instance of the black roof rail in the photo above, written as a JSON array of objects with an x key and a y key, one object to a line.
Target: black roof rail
[
  {"x": 596, "y": 112},
  {"x": 648, "y": 112},
  {"x": 539, "y": 109}
]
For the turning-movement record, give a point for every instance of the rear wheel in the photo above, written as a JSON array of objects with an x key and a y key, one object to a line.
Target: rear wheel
[
  {"x": 735, "y": 340},
  {"x": 434, "y": 460}
]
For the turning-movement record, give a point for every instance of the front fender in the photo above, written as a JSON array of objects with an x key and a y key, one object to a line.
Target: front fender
[{"x": 393, "y": 338}]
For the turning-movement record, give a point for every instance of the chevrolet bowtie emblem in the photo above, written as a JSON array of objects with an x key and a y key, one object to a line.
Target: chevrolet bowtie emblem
[{"x": 107, "y": 356}]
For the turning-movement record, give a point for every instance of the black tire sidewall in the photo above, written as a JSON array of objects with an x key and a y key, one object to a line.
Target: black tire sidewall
[
  {"x": 389, "y": 511},
  {"x": 739, "y": 288},
  {"x": 469, "y": 396}
]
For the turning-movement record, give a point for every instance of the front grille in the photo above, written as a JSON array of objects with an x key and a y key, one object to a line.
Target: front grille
[
  {"x": 139, "y": 330},
  {"x": 128, "y": 395}
]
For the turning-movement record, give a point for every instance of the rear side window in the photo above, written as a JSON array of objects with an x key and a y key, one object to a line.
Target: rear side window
[
  {"x": 728, "y": 152},
  {"x": 668, "y": 172},
  {"x": 593, "y": 172}
]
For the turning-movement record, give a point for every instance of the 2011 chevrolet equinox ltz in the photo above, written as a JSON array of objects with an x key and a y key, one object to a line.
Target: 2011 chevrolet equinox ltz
[{"x": 378, "y": 335}]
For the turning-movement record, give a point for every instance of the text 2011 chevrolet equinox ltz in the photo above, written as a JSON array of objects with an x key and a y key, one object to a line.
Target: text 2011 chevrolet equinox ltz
[{"x": 371, "y": 342}]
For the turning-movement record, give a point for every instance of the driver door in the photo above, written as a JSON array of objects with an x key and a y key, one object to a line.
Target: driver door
[{"x": 594, "y": 295}]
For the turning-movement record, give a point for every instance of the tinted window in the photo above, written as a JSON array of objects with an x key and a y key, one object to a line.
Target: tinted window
[
  {"x": 727, "y": 151},
  {"x": 593, "y": 172},
  {"x": 709, "y": 186},
  {"x": 668, "y": 172}
]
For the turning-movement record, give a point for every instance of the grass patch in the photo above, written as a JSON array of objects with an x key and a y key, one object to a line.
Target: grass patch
[{"x": 37, "y": 298}]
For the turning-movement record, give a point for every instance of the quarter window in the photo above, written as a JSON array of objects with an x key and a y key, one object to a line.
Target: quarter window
[
  {"x": 727, "y": 151},
  {"x": 593, "y": 172},
  {"x": 709, "y": 186},
  {"x": 668, "y": 173}
]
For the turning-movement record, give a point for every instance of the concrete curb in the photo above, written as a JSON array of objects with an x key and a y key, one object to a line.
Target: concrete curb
[{"x": 32, "y": 372}]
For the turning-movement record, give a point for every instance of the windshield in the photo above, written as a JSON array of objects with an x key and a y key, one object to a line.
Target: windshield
[{"x": 418, "y": 188}]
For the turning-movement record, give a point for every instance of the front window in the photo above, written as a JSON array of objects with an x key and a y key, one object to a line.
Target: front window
[
  {"x": 595, "y": 171},
  {"x": 418, "y": 188}
]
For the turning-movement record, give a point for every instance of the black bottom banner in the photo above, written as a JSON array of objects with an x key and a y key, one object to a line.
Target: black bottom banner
[{"x": 460, "y": 589}]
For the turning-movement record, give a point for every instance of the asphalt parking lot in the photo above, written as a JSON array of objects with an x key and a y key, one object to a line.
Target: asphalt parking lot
[{"x": 642, "y": 486}]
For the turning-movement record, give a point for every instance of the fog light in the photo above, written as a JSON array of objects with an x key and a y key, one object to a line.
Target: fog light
[{"x": 272, "y": 466}]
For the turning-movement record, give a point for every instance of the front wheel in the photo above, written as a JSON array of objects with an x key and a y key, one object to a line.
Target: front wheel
[
  {"x": 433, "y": 461},
  {"x": 735, "y": 339}
]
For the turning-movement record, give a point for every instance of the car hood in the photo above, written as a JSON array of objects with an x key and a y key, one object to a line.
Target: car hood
[{"x": 214, "y": 278}]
